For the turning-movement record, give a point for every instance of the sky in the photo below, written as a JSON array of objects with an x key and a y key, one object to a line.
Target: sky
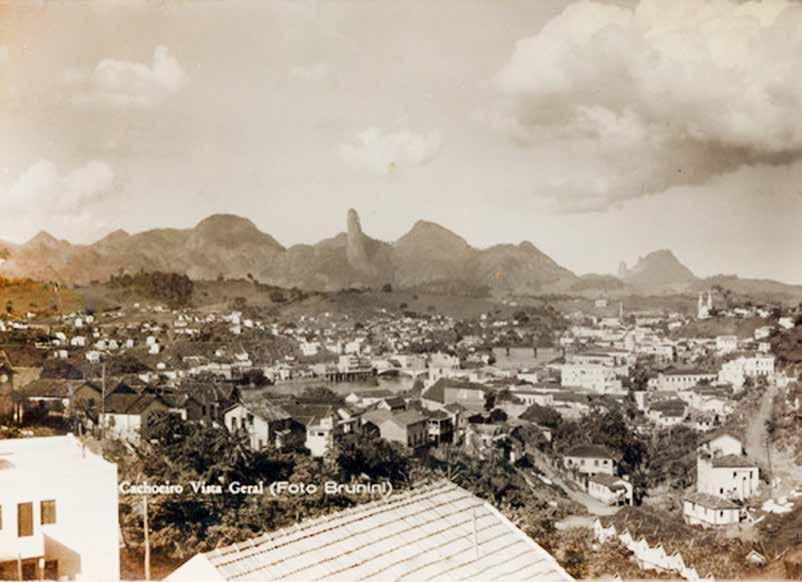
[{"x": 600, "y": 132}]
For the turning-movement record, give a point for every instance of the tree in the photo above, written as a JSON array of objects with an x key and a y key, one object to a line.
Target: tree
[{"x": 358, "y": 455}]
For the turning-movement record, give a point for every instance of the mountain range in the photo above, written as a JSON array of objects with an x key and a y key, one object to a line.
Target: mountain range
[{"x": 428, "y": 257}]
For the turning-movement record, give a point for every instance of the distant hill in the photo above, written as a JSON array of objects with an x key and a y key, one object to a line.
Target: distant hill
[
  {"x": 428, "y": 258},
  {"x": 658, "y": 270}
]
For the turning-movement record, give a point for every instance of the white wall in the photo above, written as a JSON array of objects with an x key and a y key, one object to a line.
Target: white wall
[{"x": 85, "y": 537}]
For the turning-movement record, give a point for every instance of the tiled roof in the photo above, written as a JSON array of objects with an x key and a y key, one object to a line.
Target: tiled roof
[
  {"x": 436, "y": 532},
  {"x": 612, "y": 483},
  {"x": 49, "y": 388},
  {"x": 592, "y": 451},
  {"x": 711, "y": 501},
  {"x": 733, "y": 461}
]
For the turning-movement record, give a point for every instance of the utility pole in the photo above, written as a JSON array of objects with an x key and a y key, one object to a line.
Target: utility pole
[
  {"x": 147, "y": 536},
  {"x": 102, "y": 401}
]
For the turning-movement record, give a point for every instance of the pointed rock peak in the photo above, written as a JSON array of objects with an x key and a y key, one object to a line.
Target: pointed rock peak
[
  {"x": 527, "y": 246},
  {"x": 356, "y": 249},
  {"x": 354, "y": 225}
]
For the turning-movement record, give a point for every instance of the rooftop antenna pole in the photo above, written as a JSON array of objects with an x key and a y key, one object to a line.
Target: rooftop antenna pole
[{"x": 102, "y": 400}]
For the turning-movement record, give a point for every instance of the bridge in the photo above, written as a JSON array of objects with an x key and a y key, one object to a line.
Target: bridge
[{"x": 396, "y": 371}]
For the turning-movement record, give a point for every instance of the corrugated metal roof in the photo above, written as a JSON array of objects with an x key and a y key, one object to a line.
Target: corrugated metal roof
[{"x": 424, "y": 534}]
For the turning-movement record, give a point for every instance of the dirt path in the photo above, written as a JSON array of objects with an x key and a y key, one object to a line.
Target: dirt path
[
  {"x": 786, "y": 473},
  {"x": 592, "y": 505},
  {"x": 756, "y": 433}
]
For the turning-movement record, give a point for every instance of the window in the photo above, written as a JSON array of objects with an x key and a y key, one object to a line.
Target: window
[
  {"x": 48, "y": 512},
  {"x": 24, "y": 519}
]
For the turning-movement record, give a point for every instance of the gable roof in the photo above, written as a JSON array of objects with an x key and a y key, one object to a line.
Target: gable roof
[
  {"x": 734, "y": 462},
  {"x": 711, "y": 501},
  {"x": 49, "y": 388},
  {"x": 423, "y": 534},
  {"x": 437, "y": 391},
  {"x": 264, "y": 408},
  {"x": 130, "y": 404},
  {"x": 592, "y": 451}
]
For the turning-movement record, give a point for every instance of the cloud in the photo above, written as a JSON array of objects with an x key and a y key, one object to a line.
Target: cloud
[
  {"x": 127, "y": 84},
  {"x": 638, "y": 100},
  {"x": 382, "y": 152},
  {"x": 3, "y": 54},
  {"x": 43, "y": 190}
]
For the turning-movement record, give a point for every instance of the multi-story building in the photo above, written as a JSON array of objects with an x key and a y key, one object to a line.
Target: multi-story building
[
  {"x": 595, "y": 377},
  {"x": 58, "y": 511},
  {"x": 592, "y": 460},
  {"x": 678, "y": 379}
]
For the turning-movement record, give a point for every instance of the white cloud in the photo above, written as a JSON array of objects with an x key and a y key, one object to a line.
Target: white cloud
[
  {"x": 129, "y": 84},
  {"x": 666, "y": 93},
  {"x": 383, "y": 152},
  {"x": 43, "y": 190},
  {"x": 3, "y": 54}
]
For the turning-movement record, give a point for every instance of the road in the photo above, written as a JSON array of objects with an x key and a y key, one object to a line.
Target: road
[
  {"x": 592, "y": 505},
  {"x": 757, "y": 436}
]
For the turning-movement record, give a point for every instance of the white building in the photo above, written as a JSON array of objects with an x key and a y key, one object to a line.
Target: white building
[
  {"x": 763, "y": 332},
  {"x": 591, "y": 460},
  {"x": 610, "y": 490},
  {"x": 596, "y": 377},
  {"x": 726, "y": 344},
  {"x": 59, "y": 511},
  {"x": 703, "y": 307},
  {"x": 682, "y": 379},
  {"x": 722, "y": 470},
  {"x": 708, "y": 510}
]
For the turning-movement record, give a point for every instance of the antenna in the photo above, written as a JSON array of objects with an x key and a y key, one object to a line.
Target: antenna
[{"x": 102, "y": 400}]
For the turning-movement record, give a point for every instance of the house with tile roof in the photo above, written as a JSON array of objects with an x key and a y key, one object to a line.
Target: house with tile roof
[
  {"x": 592, "y": 460},
  {"x": 710, "y": 510},
  {"x": 125, "y": 413},
  {"x": 262, "y": 420},
  {"x": 409, "y": 428},
  {"x": 432, "y": 532}
]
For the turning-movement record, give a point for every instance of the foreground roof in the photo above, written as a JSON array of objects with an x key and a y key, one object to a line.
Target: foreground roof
[{"x": 435, "y": 532}]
